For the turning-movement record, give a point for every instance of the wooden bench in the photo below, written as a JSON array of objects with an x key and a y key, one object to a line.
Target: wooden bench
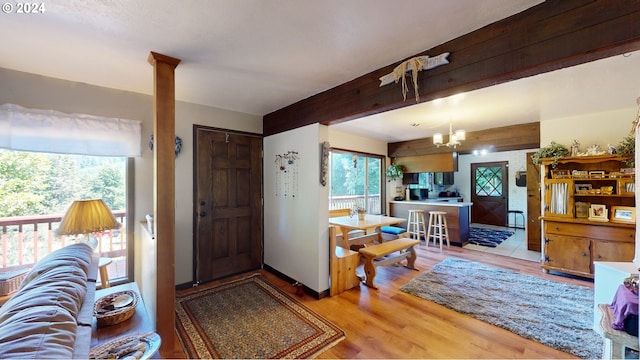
[
  {"x": 375, "y": 256},
  {"x": 342, "y": 266},
  {"x": 615, "y": 341}
]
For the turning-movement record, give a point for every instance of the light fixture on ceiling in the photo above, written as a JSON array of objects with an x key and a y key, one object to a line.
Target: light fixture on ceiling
[{"x": 454, "y": 138}]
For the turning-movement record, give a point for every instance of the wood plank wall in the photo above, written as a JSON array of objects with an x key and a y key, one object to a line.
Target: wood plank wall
[{"x": 552, "y": 35}]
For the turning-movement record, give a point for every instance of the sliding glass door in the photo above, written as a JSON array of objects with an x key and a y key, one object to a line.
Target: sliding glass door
[{"x": 356, "y": 181}]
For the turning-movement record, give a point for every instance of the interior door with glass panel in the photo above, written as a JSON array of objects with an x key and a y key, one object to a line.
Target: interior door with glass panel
[{"x": 490, "y": 193}]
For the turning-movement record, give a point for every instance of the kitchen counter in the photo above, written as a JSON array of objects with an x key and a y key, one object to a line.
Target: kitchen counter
[
  {"x": 438, "y": 201},
  {"x": 458, "y": 215}
]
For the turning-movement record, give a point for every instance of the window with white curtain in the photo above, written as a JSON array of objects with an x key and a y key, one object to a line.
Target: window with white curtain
[{"x": 48, "y": 159}]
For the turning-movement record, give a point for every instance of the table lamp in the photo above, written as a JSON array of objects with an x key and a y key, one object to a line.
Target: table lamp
[{"x": 87, "y": 216}]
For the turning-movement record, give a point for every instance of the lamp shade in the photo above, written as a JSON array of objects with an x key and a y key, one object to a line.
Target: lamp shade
[
  {"x": 87, "y": 216},
  {"x": 437, "y": 139}
]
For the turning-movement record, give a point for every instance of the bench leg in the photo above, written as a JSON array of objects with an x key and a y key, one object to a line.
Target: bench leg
[
  {"x": 370, "y": 271},
  {"x": 411, "y": 258}
]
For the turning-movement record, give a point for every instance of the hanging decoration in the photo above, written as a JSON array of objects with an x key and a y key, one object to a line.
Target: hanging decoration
[
  {"x": 414, "y": 65},
  {"x": 287, "y": 174},
  {"x": 324, "y": 163}
]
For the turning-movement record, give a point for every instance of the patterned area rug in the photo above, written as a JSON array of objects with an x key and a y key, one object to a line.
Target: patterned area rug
[
  {"x": 555, "y": 314},
  {"x": 487, "y": 237},
  {"x": 250, "y": 319}
]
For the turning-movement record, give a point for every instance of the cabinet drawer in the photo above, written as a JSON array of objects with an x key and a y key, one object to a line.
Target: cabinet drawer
[{"x": 591, "y": 231}]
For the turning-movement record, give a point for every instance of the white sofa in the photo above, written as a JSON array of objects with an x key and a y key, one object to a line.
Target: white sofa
[{"x": 50, "y": 314}]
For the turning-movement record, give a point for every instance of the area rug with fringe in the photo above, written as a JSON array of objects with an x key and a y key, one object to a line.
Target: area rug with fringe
[
  {"x": 487, "y": 237},
  {"x": 250, "y": 319},
  {"x": 555, "y": 314}
]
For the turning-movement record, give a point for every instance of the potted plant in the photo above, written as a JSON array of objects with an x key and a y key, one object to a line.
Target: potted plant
[
  {"x": 359, "y": 210},
  {"x": 394, "y": 172},
  {"x": 554, "y": 151},
  {"x": 627, "y": 150}
]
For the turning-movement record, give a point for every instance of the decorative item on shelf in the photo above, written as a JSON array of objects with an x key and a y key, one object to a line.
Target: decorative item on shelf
[
  {"x": 554, "y": 151},
  {"x": 623, "y": 214},
  {"x": 395, "y": 172},
  {"x": 115, "y": 308},
  {"x": 177, "y": 144},
  {"x": 579, "y": 174},
  {"x": 560, "y": 174},
  {"x": 582, "y": 189},
  {"x": 606, "y": 190},
  {"x": 582, "y": 209},
  {"x": 598, "y": 212},
  {"x": 454, "y": 138},
  {"x": 575, "y": 148},
  {"x": 87, "y": 217},
  {"x": 596, "y": 174}
]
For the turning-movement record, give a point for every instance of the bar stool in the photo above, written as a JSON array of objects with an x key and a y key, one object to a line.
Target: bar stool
[
  {"x": 437, "y": 229},
  {"x": 416, "y": 226}
]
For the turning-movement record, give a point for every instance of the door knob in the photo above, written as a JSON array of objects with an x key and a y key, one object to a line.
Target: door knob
[{"x": 203, "y": 214}]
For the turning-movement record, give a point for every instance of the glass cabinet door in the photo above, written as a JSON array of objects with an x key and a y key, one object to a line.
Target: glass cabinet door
[{"x": 559, "y": 198}]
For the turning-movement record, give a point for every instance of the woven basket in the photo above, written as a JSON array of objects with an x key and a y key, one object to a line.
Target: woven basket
[
  {"x": 117, "y": 315},
  {"x": 10, "y": 281},
  {"x": 114, "y": 349}
]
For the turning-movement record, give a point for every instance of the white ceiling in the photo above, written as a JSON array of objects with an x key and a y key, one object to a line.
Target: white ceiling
[{"x": 257, "y": 56}]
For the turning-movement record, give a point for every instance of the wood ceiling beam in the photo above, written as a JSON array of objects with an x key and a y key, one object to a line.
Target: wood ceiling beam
[
  {"x": 507, "y": 138},
  {"x": 550, "y": 36}
]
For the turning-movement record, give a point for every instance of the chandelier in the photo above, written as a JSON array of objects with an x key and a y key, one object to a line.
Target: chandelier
[{"x": 454, "y": 138}]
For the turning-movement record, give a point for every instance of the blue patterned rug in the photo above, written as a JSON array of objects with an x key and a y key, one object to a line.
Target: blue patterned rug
[
  {"x": 250, "y": 319},
  {"x": 488, "y": 237}
]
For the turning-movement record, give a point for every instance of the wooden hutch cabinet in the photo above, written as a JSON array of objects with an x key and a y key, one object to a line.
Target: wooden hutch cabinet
[{"x": 572, "y": 237}]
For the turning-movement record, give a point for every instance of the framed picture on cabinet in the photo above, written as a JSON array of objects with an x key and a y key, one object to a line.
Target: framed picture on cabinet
[
  {"x": 624, "y": 214},
  {"x": 598, "y": 212}
]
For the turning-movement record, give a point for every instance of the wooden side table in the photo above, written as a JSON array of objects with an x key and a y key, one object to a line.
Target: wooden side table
[
  {"x": 138, "y": 323},
  {"x": 104, "y": 274}
]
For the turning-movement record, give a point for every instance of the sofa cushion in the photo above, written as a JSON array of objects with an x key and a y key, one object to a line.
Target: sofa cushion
[
  {"x": 39, "y": 332},
  {"x": 75, "y": 254},
  {"x": 64, "y": 286}
]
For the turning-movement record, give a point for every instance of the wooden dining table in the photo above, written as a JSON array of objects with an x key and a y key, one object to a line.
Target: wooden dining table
[{"x": 371, "y": 225}]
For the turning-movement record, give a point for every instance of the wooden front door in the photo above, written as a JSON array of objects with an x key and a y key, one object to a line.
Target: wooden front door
[
  {"x": 534, "y": 229},
  {"x": 227, "y": 204},
  {"x": 489, "y": 193}
]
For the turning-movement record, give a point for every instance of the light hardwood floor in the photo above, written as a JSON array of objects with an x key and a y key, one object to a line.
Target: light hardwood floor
[{"x": 388, "y": 323}]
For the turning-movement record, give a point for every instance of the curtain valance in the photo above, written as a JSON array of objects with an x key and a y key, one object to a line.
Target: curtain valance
[{"x": 57, "y": 132}]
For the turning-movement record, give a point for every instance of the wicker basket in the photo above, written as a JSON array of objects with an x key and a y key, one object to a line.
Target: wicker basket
[
  {"x": 107, "y": 314},
  {"x": 10, "y": 281}
]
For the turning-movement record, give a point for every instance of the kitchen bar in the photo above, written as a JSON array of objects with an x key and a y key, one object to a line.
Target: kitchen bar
[{"x": 458, "y": 215}]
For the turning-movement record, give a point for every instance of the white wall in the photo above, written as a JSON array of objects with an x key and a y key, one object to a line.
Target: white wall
[
  {"x": 589, "y": 129},
  {"x": 35, "y": 91},
  {"x": 296, "y": 238}
]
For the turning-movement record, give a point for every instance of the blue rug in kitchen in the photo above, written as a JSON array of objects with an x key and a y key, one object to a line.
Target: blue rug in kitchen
[{"x": 487, "y": 237}]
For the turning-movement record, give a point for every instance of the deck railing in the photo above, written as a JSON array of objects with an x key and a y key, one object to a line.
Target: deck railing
[
  {"x": 350, "y": 201},
  {"x": 26, "y": 239}
]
